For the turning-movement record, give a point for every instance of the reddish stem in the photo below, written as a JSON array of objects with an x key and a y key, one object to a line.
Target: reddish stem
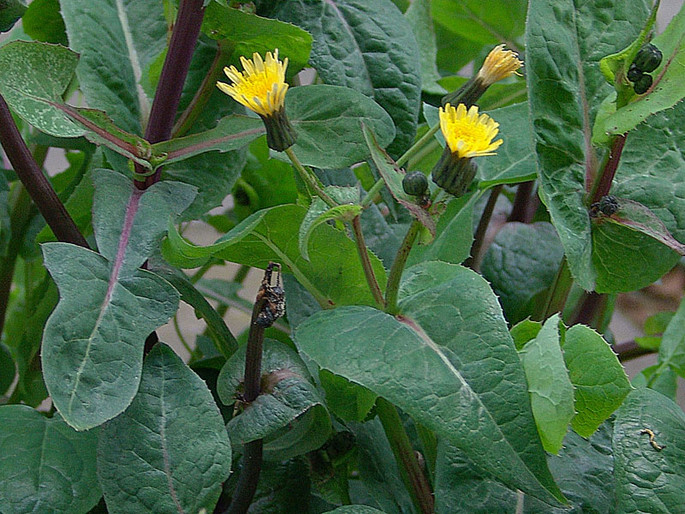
[{"x": 174, "y": 72}]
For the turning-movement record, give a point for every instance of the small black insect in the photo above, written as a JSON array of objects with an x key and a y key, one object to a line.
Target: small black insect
[{"x": 606, "y": 206}]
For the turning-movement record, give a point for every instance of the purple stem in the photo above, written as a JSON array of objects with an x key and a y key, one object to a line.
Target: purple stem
[
  {"x": 604, "y": 185},
  {"x": 174, "y": 72},
  {"x": 38, "y": 186}
]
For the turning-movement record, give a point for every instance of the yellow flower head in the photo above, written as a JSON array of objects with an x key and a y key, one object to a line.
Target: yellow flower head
[
  {"x": 261, "y": 87},
  {"x": 467, "y": 133},
  {"x": 498, "y": 65}
]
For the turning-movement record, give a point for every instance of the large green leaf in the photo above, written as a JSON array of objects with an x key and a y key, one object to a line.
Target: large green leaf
[
  {"x": 599, "y": 381},
  {"x": 116, "y": 40},
  {"x": 418, "y": 14},
  {"x": 583, "y": 469},
  {"x": 288, "y": 413},
  {"x": 333, "y": 274},
  {"x": 43, "y": 22},
  {"x": 564, "y": 43},
  {"x": 328, "y": 121},
  {"x": 378, "y": 470},
  {"x": 449, "y": 362},
  {"x": 169, "y": 451},
  {"x": 45, "y": 465},
  {"x": 493, "y": 22},
  {"x": 93, "y": 341},
  {"x": 648, "y": 479},
  {"x": 453, "y": 234},
  {"x": 551, "y": 391},
  {"x": 35, "y": 74},
  {"x": 522, "y": 262},
  {"x": 376, "y": 54},
  {"x": 669, "y": 85},
  {"x": 244, "y": 33}
]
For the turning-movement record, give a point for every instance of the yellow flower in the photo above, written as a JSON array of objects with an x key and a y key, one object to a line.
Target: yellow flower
[
  {"x": 261, "y": 87},
  {"x": 467, "y": 133},
  {"x": 498, "y": 65}
]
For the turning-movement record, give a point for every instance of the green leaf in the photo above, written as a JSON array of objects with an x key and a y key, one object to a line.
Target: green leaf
[
  {"x": 283, "y": 487},
  {"x": 418, "y": 15},
  {"x": 376, "y": 55},
  {"x": 319, "y": 213},
  {"x": 668, "y": 88},
  {"x": 169, "y": 451},
  {"x": 583, "y": 469},
  {"x": 564, "y": 43},
  {"x": 524, "y": 331},
  {"x": 328, "y": 121},
  {"x": 267, "y": 236},
  {"x": 93, "y": 341},
  {"x": 453, "y": 234},
  {"x": 636, "y": 216},
  {"x": 45, "y": 465},
  {"x": 213, "y": 174},
  {"x": 392, "y": 175},
  {"x": 116, "y": 40},
  {"x": 244, "y": 33},
  {"x": 522, "y": 261},
  {"x": 649, "y": 480},
  {"x": 288, "y": 413},
  {"x": 433, "y": 345},
  {"x": 460, "y": 486},
  {"x": 43, "y": 22},
  {"x": 600, "y": 382},
  {"x": 378, "y": 471},
  {"x": 232, "y": 133},
  {"x": 551, "y": 392},
  {"x": 347, "y": 400},
  {"x": 10, "y": 12},
  {"x": 515, "y": 160},
  {"x": 490, "y": 23},
  {"x": 672, "y": 349},
  {"x": 36, "y": 74}
]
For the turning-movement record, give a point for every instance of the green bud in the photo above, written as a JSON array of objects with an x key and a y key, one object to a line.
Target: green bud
[
  {"x": 648, "y": 58},
  {"x": 415, "y": 183}
]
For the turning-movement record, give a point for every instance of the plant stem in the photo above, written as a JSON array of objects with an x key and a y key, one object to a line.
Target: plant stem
[
  {"x": 395, "y": 275},
  {"x": 366, "y": 262},
  {"x": 602, "y": 185},
  {"x": 252, "y": 454},
  {"x": 558, "y": 293},
  {"x": 412, "y": 474},
  {"x": 309, "y": 178},
  {"x": 473, "y": 261},
  {"x": 591, "y": 310},
  {"x": 38, "y": 186},
  {"x": 418, "y": 145},
  {"x": 375, "y": 189},
  {"x": 629, "y": 350},
  {"x": 174, "y": 72},
  {"x": 522, "y": 210}
]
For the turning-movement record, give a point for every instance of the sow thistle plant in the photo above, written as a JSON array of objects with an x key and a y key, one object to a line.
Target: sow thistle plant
[{"x": 404, "y": 352}]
